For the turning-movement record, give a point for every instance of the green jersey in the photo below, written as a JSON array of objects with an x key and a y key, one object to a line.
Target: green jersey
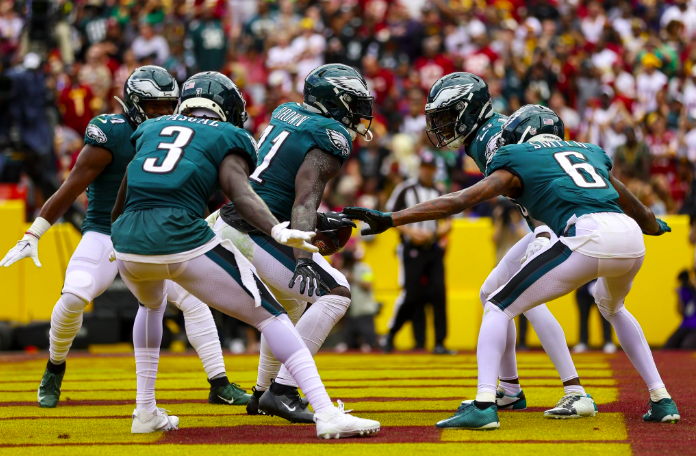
[
  {"x": 170, "y": 180},
  {"x": 485, "y": 142},
  {"x": 111, "y": 132},
  {"x": 559, "y": 179},
  {"x": 292, "y": 132}
]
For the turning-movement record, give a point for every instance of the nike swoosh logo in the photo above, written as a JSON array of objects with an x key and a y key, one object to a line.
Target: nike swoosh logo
[
  {"x": 332, "y": 220},
  {"x": 226, "y": 400},
  {"x": 102, "y": 120},
  {"x": 287, "y": 407}
]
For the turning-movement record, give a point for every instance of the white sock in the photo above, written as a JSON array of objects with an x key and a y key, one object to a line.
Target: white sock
[
  {"x": 553, "y": 340},
  {"x": 288, "y": 348},
  {"x": 658, "y": 394},
  {"x": 508, "y": 364},
  {"x": 268, "y": 365},
  {"x": 314, "y": 326},
  {"x": 147, "y": 337},
  {"x": 635, "y": 346},
  {"x": 572, "y": 389},
  {"x": 66, "y": 321},
  {"x": 489, "y": 351},
  {"x": 202, "y": 333},
  {"x": 511, "y": 389}
]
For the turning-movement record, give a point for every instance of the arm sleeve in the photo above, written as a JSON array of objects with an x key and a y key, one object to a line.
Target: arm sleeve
[
  {"x": 237, "y": 141},
  {"x": 334, "y": 139}
]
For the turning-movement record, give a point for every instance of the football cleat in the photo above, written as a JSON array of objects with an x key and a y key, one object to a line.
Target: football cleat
[
  {"x": 145, "y": 422},
  {"x": 285, "y": 402},
  {"x": 468, "y": 416},
  {"x": 337, "y": 423},
  {"x": 505, "y": 402},
  {"x": 48, "y": 394},
  {"x": 664, "y": 411},
  {"x": 231, "y": 394},
  {"x": 252, "y": 407},
  {"x": 574, "y": 405}
]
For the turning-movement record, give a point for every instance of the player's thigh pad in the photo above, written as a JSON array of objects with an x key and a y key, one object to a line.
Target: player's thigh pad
[
  {"x": 89, "y": 271},
  {"x": 145, "y": 280},
  {"x": 615, "y": 283},
  {"x": 554, "y": 272},
  {"x": 226, "y": 281},
  {"x": 275, "y": 264}
]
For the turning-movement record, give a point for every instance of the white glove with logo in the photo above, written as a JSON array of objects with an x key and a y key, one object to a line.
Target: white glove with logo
[
  {"x": 28, "y": 246},
  {"x": 293, "y": 238},
  {"x": 534, "y": 246}
]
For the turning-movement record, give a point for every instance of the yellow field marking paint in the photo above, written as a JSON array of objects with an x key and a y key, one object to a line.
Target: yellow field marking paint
[
  {"x": 533, "y": 426},
  {"x": 111, "y": 348},
  {"x": 115, "y": 410},
  {"x": 336, "y": 449}
]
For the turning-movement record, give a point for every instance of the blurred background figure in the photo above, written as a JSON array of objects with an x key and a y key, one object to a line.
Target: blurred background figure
[
  {"x": 585, "y": 300},
  {"x": 684, "y": 338},
  {"x": 421, "y": 261}
]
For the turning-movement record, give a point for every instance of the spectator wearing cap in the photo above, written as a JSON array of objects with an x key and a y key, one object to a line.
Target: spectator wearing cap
[
  {"x": 421, "y": 261},
  {"x": 649, "y": 82}
]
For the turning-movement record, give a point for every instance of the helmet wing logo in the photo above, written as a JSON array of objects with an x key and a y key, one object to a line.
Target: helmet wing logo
[
  {"x": 350, "y": 83},
  {"x": 449, "y": 94},
  {"x": 339, "y": 141},
  {"x": 95, "y": 133}
]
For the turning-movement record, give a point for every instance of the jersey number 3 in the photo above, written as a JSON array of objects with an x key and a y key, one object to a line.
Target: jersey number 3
[
  {"x": 175, "y": 150},
  {"x": 583, "y": 173}
]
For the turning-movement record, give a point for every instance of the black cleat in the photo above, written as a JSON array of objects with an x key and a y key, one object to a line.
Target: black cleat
[
  {"x": 441, "y": 350},
  {"x": 252, "y": 407},
  {"x": 285, "y": 402}
]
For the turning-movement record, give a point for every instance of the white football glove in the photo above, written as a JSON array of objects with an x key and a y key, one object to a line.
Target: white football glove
[
  {"x": 293, "y": 238},
  {"x": 534, "y": 246},
  {"x": 28, "y": 246}
]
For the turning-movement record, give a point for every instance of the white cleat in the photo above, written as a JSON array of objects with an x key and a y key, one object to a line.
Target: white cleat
[
  {"x": 574, "y": 405},
  {"x": 145, "y": 422},
  {"x": 336, "y": 423}
]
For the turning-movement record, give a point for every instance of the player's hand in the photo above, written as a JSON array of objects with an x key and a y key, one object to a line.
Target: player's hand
[
  {"x": 330, "y": 222},
  {"x": 663, "y": 228},
  {"x": 308, "y": 272},
  {"x": 534, "y": 246},
  {"x": 25, "y": 248},
  {"x": 293, "y": 238},
  {"x": 379, "y": 221}
]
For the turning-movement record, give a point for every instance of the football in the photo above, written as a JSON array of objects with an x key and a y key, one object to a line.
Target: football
[{"x": 326, "y": 245}]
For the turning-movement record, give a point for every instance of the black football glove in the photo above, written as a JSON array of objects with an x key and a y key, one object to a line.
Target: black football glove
[
  {"x": 328, "y": 223},
  {"x": 308, "y": 273},
  {"x": 379, "y": 221}
]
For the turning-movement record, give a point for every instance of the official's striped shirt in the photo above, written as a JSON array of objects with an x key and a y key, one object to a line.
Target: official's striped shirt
[{"x": 409, "y": 193}]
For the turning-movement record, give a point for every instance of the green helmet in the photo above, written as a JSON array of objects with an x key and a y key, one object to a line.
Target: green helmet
[
  {"x": 530, "y": 121},
  {"x": 340, "y": 92},
  {"x": 457, "y": 105},
  {"x": 147, "y": 83},
  {"x": 215, "y": 92}
]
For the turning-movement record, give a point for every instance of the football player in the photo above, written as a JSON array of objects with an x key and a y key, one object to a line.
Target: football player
[
  {"x": 150, "y": 91},
  {"x": 599, "y": 223},
  {"x": 303, "y": 147},
  {"x": 160, "y": 235}
]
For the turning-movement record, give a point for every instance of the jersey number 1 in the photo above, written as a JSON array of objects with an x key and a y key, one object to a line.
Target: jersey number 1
[
  {"x": 277, "y": 142},
  {"x": 175, "y": 150},
  {"x": 589, "y": 178}
]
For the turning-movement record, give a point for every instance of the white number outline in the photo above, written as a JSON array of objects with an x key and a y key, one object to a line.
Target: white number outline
[
  {"x": 175, "y": 150},
  {"x": 573, "y": 170},
  {"x": 277, "y": 142}
]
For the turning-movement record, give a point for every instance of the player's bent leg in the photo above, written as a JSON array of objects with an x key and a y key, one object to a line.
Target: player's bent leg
[
  {"x": 88, "y": 275},
  {"x": 146, "y": 282},
  {"x": 609, "y": 295},
  {"x": 202, "y": 333},
  {"x": 249, "y": 300}
]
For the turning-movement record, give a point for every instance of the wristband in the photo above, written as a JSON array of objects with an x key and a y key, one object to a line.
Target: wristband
[
  {"x": 543, "y": 229},
  {"x": 39, "y": 227}
]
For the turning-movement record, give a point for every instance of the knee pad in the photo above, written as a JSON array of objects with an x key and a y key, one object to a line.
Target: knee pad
[
  {"x": 176, "y": 294},
  {"x": 608, "y": 313},
  {"x": 80, "y": 284},
  {"x": 334, "y": 306},
  {"x": 73, "y": 303}
]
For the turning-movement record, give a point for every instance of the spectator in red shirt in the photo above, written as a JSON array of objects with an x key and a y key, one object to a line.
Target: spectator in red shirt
[
  {"x": 433, "y": 64},
  {"x": 379, "y": 80},
  {"x": 75, "y": 104}
]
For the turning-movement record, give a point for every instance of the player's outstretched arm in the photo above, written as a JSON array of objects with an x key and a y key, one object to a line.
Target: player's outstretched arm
[
  {"x": 500, "y": 182},
  {"x": 90, "y": 163},
  {"x": 234, "y": 180},
  {"x": 638, "y": 211}
]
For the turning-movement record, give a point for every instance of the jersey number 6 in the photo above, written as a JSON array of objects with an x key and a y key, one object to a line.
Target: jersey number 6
[
  {"x": 583, "y": 174},
  {"x": 175, "y": 150}
]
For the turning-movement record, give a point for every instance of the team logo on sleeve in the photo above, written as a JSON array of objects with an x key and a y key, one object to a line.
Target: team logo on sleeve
[
  {"x": 339, "y": 141},
  {"x": 95, "y": 133}
]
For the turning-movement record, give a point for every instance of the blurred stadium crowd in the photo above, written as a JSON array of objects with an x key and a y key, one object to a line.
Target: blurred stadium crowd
[{"x": 621, "y": 74}]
